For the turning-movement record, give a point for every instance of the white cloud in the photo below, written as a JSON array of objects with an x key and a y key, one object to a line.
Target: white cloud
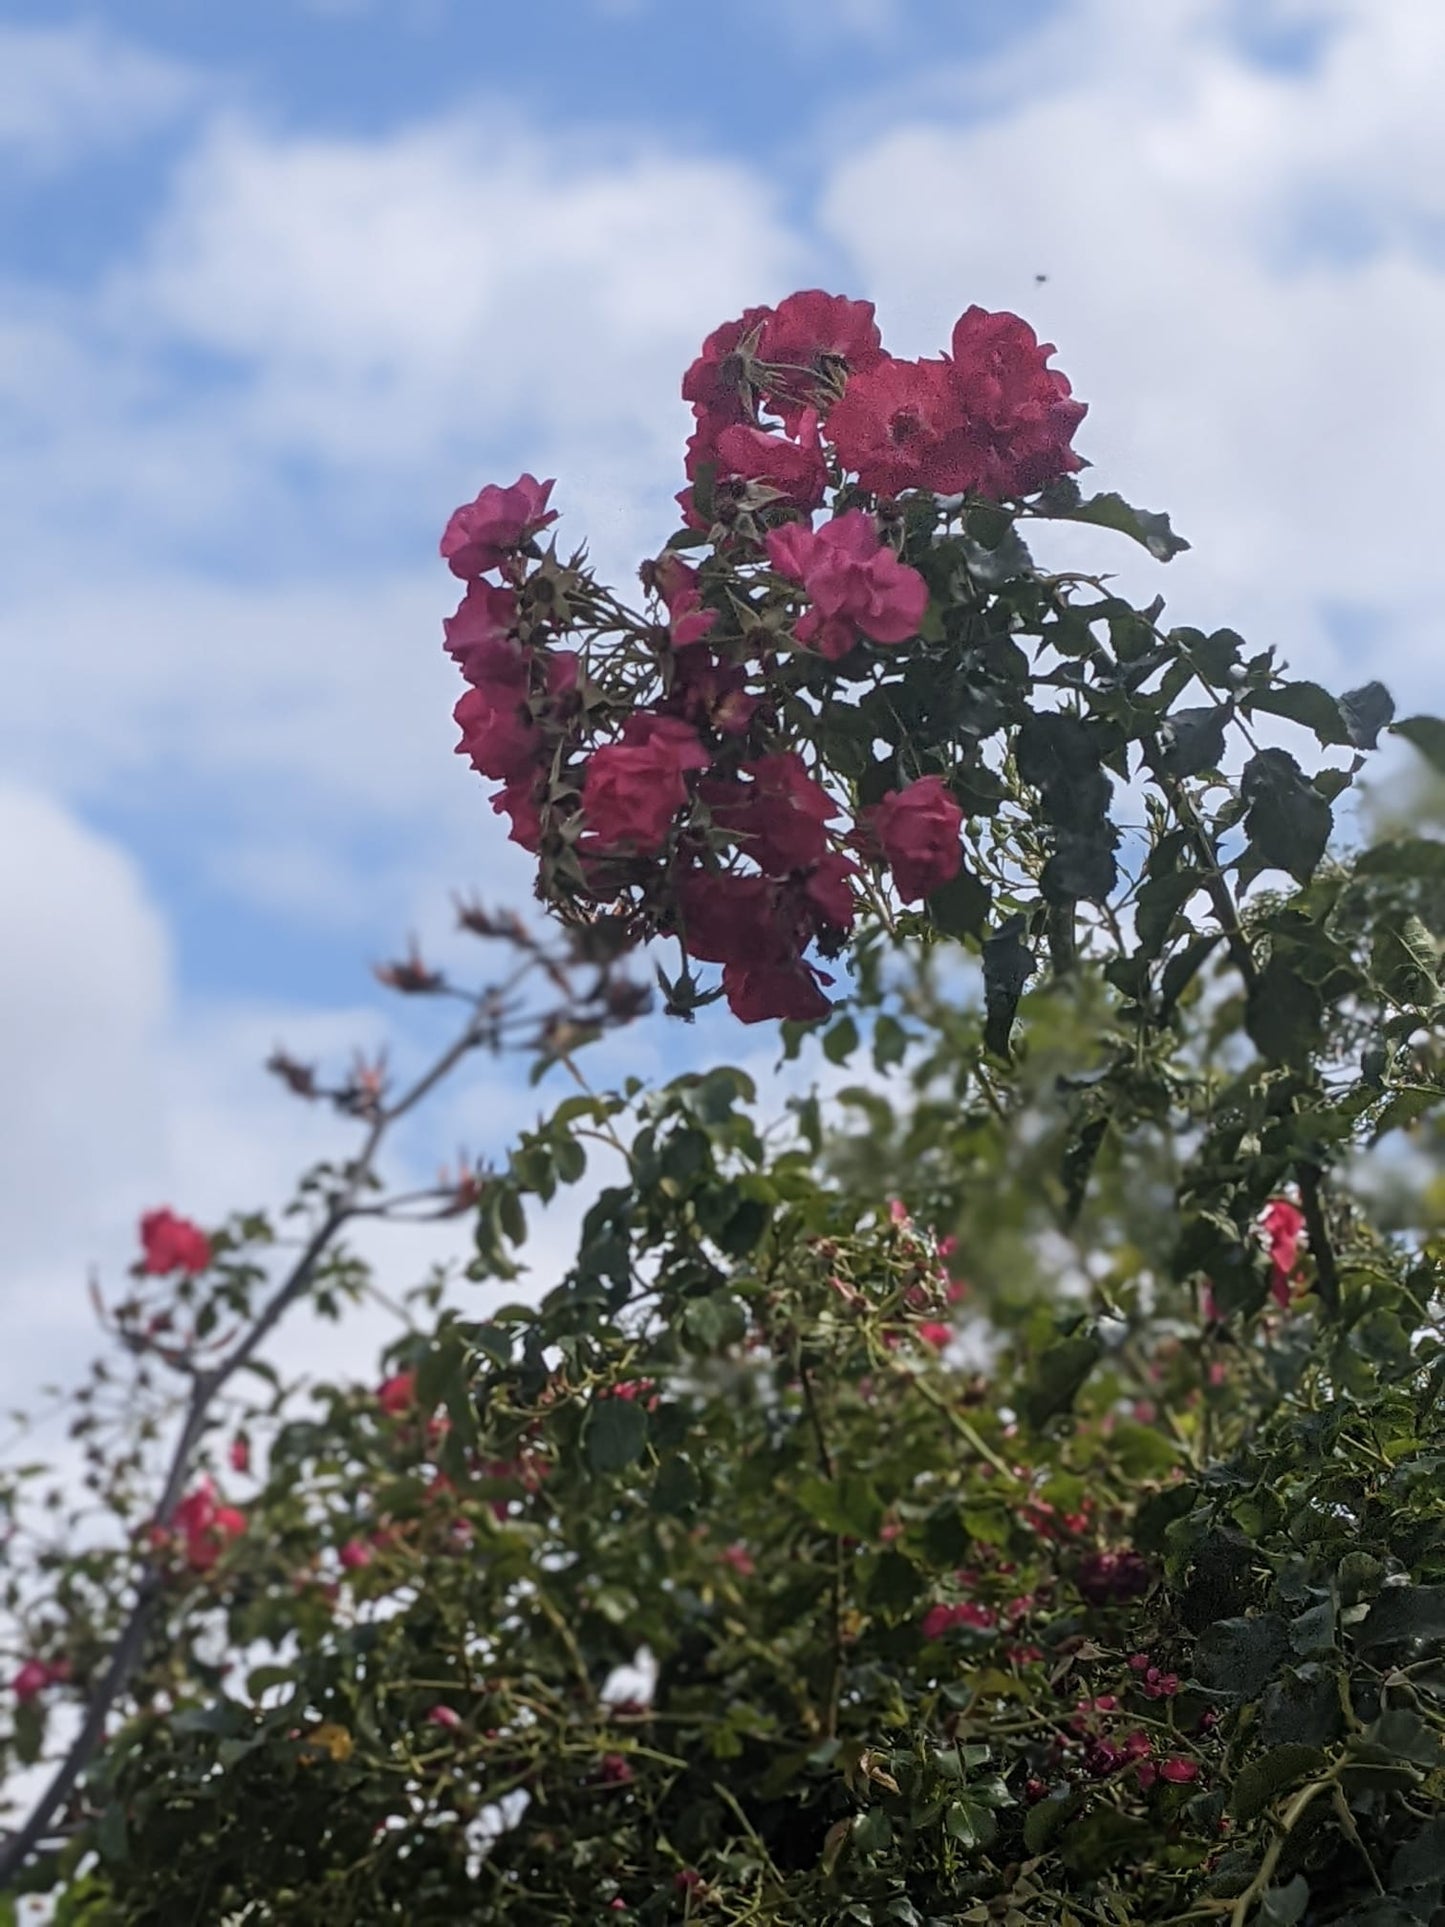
[
  {"x": 1244, "y": 277},
  {"x": 67, "y": 91}
]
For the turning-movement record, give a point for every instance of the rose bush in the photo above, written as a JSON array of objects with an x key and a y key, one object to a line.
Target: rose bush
[{"x": 1002, "y": 1487}]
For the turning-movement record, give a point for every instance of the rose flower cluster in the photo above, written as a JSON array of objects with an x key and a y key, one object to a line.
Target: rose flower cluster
[{"x": 661, "y": 766}]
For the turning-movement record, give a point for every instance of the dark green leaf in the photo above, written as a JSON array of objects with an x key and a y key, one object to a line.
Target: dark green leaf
[
  {"x": 616, "y": 1433},
  {"x": 1366, "y": 711},
  {"x": 1192, "y": 740},
  {"x": 1427, "y": 733},
  {"x": 1113, "y": 512},
  {"x": 1404, "y": 1613},
  {"x": 1057, "y": 1376},
  {"x": 1264, "y": 1779},
  {"x": 959, "y": 908},
  {"x": 1284, "y": 1013},
  {"x": 1288, "y": 821},
  {"x": 1241, "y": 1656},
  {"x": 1008, "y": 963},
  {"x": 1305, "y": 703}
]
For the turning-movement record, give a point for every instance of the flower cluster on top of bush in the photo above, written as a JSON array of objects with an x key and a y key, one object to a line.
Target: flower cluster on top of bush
[{"x": 662, "y": 770}]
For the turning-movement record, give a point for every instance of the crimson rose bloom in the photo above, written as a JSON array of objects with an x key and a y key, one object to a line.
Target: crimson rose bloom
[
  {"x": 796, "y": 470},
  {"x": 853, "y": 580},
  {"x": 1283, "y": 1225},
  {"x": 633, "y": 789},
  {"x": 482, "y": 534},
  {"x": 778, "y": 817},
  {"x": 918, "y": 831},
  {"x": 990, "y": 416},
  {"x": 757, "y": 993},
  {"x": 898, "y": 427},
  {"x": 396, "y": 1395},
  {"x": 1019, "y": 414},
  {"x": 814, "y": 333},
  {"x": 206, "y": 1526},
  {"x": 169, "y": 1243},
  {"x": 32, "y": 1679}
]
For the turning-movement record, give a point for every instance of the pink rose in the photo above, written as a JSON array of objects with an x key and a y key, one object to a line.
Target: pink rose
[
  {"x": 1283, "y": 1225},
  {"x": 482, "y": 534},
  {"x": 918, "y": 831},
  {"x": 853, "y": 580},
  {"x": 169, "y": 1243},
  {"x": 485, "y": 618}
]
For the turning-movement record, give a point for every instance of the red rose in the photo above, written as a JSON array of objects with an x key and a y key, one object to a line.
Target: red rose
[
  {"x": 796, "y": 470},
  {"x": 714, "y": 382},
  {"x": 205, "y": 1526},
  {"x": 169, "y": 1243},
  {"x": 1018, "y": 412},
  {"x": 918, "y": 830},
  {"x": 519, "y": 804},
  {"x": 31, "y": 1680},
  {"x": 758, "y": 992},
  {"x": 778, "y": 817},
  {"x": 396, "y": 1395},
  {"x": 898, "y": 426},
  {"x": 632, "y": 790},
  {"x": 482, "y": 534},
  {"x": 676, "y": 583},
  {"x": 812, "y": 334}
]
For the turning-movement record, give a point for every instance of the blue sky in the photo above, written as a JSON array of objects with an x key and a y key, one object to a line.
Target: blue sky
[{"x": 281, "y": 283}]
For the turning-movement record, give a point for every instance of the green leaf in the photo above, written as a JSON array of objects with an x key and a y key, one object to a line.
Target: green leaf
[
  {"x": 1262, "y": 1780},
  {"x": 1421, "y": 1861},
  {"x": 1284, "y": 1013},
  {"x": 1288, "y": 822},
  {"x": 1241, "y": 1656},
  {"x": 1113, "y": 512},
  {"x": 959, "y": 908},
  {"x": 969, "y": 1822},
  {"x": 1008, "y": 963},
  {"x": 848, "y": 1506},
  {"x": 1102, "y": 1839},
  {"x": 1366, "y": 711},
  {"x": 1409, "y": 857},
  {"x": 1305, "y": 703},
  {"x": 840, "y": 1040},
  {"x": 1427, "y": 733},
  {"x": 1404, "y": 1613},
  {"x": 1192, "y": 740},
  {"x": 677, "y": 1488},
  {"x": 616, "y": 1433},
  {"x": 1058, "y": 1375}
]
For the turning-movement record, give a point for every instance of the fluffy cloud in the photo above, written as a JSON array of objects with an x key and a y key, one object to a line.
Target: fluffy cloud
[
  {"x": 66, "y": 91},
  {"x": 1243, "y": 272}
]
